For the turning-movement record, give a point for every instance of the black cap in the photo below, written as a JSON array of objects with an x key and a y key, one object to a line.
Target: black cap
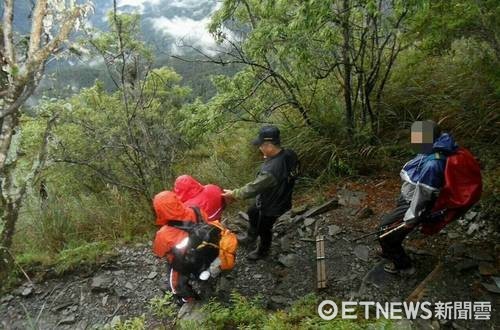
[{"x": 267, "y": 134}]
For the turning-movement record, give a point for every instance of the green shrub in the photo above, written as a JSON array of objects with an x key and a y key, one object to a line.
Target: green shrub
[
  {"x": 136, "y": 323},
  {"x": 163, "y": 307}
]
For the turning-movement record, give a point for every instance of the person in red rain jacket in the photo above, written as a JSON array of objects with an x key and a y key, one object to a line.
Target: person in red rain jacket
[
  {"x": 168, "y": 238},
  {"x": 208, "y": 198}
]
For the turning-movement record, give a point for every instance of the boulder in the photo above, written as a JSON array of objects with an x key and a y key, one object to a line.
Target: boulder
[
  {"x": 309, "y": 221},
  {"x": 101, "y": 283},
  {"x": 334, "y": 230},
  {"x": 362, "y": 252}
]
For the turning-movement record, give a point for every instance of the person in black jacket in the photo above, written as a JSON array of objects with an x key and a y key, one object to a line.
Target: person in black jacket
[{"x": 273, "y": 188}]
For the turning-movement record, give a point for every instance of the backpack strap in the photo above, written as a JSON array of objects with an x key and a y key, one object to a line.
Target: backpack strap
[
  {"x": 183, "y": 225},
  {"x": 197, "y": 212}
]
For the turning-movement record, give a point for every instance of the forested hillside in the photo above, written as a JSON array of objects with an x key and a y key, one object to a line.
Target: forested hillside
[{"x": 103, "y": 106}]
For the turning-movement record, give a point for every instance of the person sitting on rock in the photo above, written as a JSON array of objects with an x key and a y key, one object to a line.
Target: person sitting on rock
[
  {"x": 272, "y": 188},
  {"x": 208, "y": 198},
  {"x": 422, "y": 177}
]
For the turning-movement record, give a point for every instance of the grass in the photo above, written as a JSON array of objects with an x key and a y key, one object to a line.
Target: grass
[
  {"x": 87, "y": 255},
  {"x": 245, "y": 313}
]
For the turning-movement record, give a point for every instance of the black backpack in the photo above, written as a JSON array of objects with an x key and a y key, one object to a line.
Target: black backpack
[{"x": 202, "y": 247}]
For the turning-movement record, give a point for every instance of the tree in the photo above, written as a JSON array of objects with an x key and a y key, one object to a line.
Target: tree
[
  {"x": 309, "y": 56},
  {"x": 23, "y": 61},
  {"x": 127, "y": 138}
]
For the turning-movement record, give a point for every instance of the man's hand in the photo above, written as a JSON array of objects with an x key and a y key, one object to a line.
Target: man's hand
[{"x": 228, "y": 196}]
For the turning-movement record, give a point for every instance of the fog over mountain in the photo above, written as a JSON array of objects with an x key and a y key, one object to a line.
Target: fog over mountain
[
  {"x": 165, "y": 21},
  {"x": 164, "y": 25}
]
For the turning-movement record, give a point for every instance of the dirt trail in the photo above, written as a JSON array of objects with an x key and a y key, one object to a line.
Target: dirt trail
[{"x": 122, "y": 287}]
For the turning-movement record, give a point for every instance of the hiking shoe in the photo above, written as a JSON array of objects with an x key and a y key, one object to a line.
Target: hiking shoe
[{"x": 391, "y": 269}]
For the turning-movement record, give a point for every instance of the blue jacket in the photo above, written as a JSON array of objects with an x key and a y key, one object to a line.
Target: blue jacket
[{"x": 423, "y": 176}]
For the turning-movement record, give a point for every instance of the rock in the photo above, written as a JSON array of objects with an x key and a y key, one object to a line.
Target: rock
[
  {"x": 62, "y": 305},
  {"x": 453, "y": 235},
  {"x": 152, "y": 275},
  {"x": 224, "y": 284},
  {"x": 116, "y": 321},
  {"x": 325, "y": 207},
  {"x": 285, "y": 243},
  {"x": 121, "y": 293},
  {"x": 298, "y": 210},
  {"x": 420, "y": 252},
  {"x": 472, "y": 228},
  {"x": 7, "y": 298},
  {"x": 309, "y": 221},
  {"x": 480, "y": 255},
  {"x": 191, "y": 312},
  {"x": 100, "y": 283},
  {"x": 244, "y": 216},
  {"x": 105, "y": 300},
  {"x": 288, "y": 260},
  {"x": 487, "y": 269},
  {"x": 362, "y": 252},
  {"x": 70, "y": 319},
  {"x": 27, "y": 291},
  {"x": 457, "y": 249},
  {"x": 496, "y": 280},
  {"x": 129, "y": 286},
  {"x": 334, "y": 230},
  {"x": 465, "y": 265},
  {"x": 365, "y": 213},
  {"x": 258, "y": 276},
  {"x": 280, "y": 300},
  {"x": 491, "y": 287},
  {"x": 470, "y": 215}
]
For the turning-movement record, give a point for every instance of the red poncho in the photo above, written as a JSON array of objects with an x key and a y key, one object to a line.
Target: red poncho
[
  {"x": 168, "y": 207},
  {"x": 208, "y": 198}
]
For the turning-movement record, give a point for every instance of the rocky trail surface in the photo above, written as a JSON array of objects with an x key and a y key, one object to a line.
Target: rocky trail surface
[{"x": 467, "y": 252}]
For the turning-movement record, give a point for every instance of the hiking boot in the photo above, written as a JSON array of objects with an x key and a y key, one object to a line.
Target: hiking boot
[
  {"x": 257, "y": 254},
  {"x": 391, "y": 269},
  {"x": 246, "y": 239}
]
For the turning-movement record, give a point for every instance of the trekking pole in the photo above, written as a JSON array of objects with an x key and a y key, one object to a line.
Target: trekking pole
[
  {"x": 392, "y": 230},
  {"x": 377, "y": 232},
  {"x": 368, "y": 235}
]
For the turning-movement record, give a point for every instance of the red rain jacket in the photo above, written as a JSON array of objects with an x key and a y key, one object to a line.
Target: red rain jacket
[
  {"x": 168, "y": 207},
  {"x": 208, "y": 198}
]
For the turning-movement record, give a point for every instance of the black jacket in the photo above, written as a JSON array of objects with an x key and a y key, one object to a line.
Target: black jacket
[{"x": 277, "y": 199}]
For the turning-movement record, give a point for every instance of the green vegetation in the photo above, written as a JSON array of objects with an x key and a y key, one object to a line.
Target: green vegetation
[
  {"x": 164, "y": 307},
  {"x": 244, "y": 313},
  {"x": 343, "y": 80}
]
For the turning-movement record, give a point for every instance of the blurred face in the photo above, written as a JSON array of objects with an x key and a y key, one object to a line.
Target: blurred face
[
  {"x": 422, "y": 136},
  {"x": 268, "y": 149}
]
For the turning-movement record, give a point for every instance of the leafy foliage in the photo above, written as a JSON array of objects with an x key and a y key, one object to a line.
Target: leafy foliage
[{"x": 163, "y": 307}]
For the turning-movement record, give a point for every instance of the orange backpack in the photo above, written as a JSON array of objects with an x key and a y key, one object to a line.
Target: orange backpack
[{"x": 227, "y": 246}]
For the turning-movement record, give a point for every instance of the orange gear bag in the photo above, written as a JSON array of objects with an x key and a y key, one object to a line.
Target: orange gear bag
[{"x": 227, "y": 246}]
